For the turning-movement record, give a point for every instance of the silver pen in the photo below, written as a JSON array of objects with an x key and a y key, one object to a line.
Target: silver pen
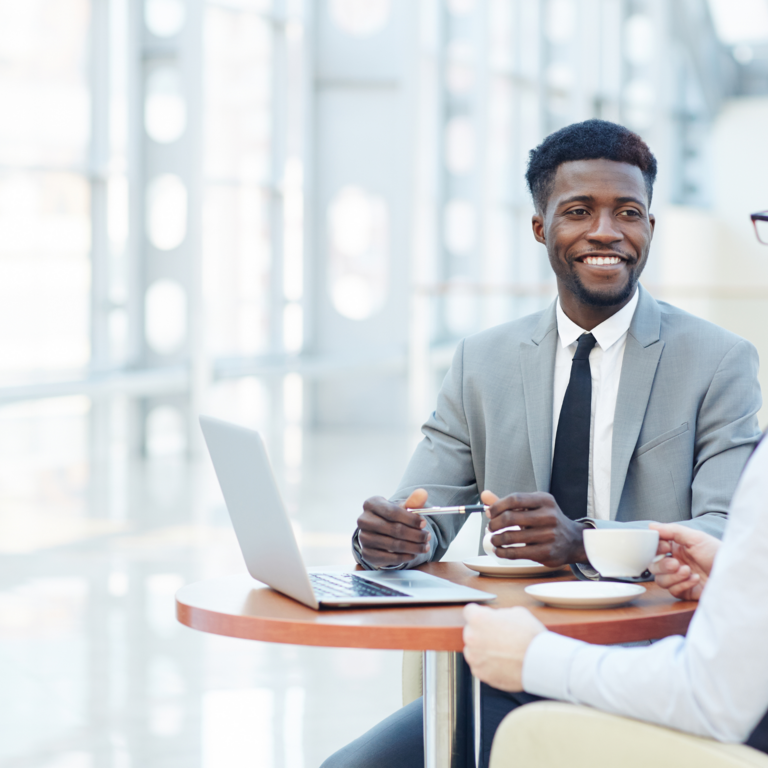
[{"x": 465, "y": 510}]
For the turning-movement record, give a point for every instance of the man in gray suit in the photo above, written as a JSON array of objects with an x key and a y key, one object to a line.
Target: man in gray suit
[{"x": 607, "y": 409}]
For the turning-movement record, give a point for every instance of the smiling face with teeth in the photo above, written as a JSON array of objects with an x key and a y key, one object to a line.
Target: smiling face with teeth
[{"x": 597, "y": 231}]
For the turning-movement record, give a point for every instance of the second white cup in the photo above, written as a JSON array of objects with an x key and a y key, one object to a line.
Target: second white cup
[{"x": 624, "y": 553}]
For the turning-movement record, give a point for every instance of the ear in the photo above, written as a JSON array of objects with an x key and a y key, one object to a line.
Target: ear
[
  {"x": 537, "y": 224},
  {"x": 652, "y": 221}
]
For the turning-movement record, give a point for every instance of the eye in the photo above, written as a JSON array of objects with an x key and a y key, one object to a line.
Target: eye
[
  {"x": 631, "y": 213},
  {"x": 578, "y": 212}
]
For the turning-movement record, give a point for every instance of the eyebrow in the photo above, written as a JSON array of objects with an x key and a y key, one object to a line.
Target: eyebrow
[
  {"x": 622, "y": 200},
  {"x": 591, "y": 199}
]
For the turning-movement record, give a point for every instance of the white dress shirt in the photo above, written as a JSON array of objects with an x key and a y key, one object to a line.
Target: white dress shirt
[
  {"x": 714, "y": 681},
  {"x": 605, "y": 361}
]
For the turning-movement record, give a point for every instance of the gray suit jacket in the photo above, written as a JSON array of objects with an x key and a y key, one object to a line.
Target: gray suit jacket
[{"x": 684, "y": 427}]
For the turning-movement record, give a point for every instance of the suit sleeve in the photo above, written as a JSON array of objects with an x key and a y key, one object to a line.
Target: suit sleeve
[
  {"x": 726, "y": 433},
  {"x": 441, "y": 464},
  {"x": 727, "y": 430}
]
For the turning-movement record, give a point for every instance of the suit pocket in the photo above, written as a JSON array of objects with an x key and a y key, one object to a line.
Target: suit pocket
[{"x": 663, "y": 438}]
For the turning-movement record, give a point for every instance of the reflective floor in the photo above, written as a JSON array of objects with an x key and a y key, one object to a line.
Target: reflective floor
[{"x": 94, "y": 668}]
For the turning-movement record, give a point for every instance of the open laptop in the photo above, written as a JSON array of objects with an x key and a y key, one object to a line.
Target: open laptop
[{"x": 269, "y": 546}]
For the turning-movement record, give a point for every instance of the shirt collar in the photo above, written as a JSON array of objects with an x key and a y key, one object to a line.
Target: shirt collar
[{"x": 606, "y": 334}]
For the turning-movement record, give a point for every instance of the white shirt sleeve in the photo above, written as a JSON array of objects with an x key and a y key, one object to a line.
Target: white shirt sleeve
[{"x": 714, "y": 681}]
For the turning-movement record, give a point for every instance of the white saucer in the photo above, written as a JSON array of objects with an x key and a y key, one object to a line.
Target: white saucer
[
  {"x": 495, "y": 566},
  {"x": 585, "y": 594}
]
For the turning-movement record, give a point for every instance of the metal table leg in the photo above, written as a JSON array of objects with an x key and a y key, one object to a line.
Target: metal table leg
[{"x": 447, "y": 710}]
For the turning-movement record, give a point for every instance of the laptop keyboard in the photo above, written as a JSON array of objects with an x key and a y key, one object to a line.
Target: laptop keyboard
[{"x": 341, "y": 585}]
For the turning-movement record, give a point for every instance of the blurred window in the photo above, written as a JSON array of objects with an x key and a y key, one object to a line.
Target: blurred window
[
  {"x": 560, "y": 76},
  {"x": 501, "y": 24},
  {"x": 166, "y": 211},
  {"x": 459, "y": 72},
  {"x": 461, "y": 7},
  {"x": 459, "y": 145},
  {"x": 460, "y": 226},
  {"x": 44, "y": 271},
  {"x": 165, "y": 431},
  {"x": 44, "y": 193},
  {"x": 638, "y": 32},
  {"x": 360, "y": 18},
  {"x": 239, "y": 179},
  {"x": 237, "y": 92},
  {"x": 245, "y": 400},
  {"x": 44, "y": 85},
  {"x": 358, "y": 231},
  {"x": 639, "y": 95},
  {"x": 165, "y": 306},
  {"x": 293, "y": 327},
  {"x": 165, "y": 111},
  {"x": 164, "y": 18},
  {"x": 501, "y": 133},
  {"x": 740, "y": 21},
  {"x": 560, "y": 21},
  {"x": 293, "y": 231},
  {"x": 236, "y": 269}
]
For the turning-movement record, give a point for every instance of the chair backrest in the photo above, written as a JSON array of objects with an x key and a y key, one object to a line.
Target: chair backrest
[
  {"x": 551, "y": 734},
  {"x": 413, "y": 671}
]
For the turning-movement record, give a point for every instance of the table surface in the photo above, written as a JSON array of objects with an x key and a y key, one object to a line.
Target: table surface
[{"x": 238, "y": 606}]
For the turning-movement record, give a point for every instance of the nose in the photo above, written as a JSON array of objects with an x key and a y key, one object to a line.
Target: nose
[{"x": 606, "y": 229}]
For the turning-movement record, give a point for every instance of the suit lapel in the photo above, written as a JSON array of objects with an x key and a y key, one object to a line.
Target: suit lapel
[
  {"x": 537, "y": 363},
  {"x": 638, "y": 370}
]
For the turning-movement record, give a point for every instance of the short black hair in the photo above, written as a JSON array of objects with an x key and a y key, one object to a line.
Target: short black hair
[{"x": 590, "y": 140}]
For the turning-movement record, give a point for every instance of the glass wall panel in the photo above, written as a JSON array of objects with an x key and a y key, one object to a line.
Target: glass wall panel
[
  {"x": 44, "y": 272},
  {"x": 238, "y": 289},
  {"x": 236, "y": 270},
  {"x": 44, "y": 95},
  {"x": 44, "y": 196},
  {"x": 238, "y": 90}
]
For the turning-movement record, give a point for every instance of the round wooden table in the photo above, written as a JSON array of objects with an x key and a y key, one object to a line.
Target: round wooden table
[{"x": 238, "y": 606}]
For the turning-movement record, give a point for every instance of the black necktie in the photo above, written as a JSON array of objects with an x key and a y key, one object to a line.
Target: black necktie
[{"x": 570, "y": 464}]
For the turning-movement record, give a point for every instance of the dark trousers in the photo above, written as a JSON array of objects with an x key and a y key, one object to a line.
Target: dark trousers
[{"x": 398, "y": 741}]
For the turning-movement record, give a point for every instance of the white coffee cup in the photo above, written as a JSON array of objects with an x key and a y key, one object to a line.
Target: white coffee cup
[
  {"x": 624, "y": 553},
  {"x": 488, "y": 547}
]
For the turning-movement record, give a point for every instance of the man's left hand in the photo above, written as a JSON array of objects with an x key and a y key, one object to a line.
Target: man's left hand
[
  {"x": 549, "y": 536},
  {"x": 496, "y": 641}
]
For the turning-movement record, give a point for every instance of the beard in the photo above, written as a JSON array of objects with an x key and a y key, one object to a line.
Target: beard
[{"x": 607, "y": 298}]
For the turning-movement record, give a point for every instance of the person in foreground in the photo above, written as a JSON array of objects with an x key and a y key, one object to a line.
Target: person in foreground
[
  {"x": 606, "y": 409},
  {"x": 713, "y": 682}
]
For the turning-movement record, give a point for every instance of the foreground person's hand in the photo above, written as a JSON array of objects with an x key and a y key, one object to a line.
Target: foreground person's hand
[
  {"x": 389, "y": 534},
  {"x": 496, "y": 641},
  {"x": 691, "y": 554},
  {"x": 549, "y": 536}
]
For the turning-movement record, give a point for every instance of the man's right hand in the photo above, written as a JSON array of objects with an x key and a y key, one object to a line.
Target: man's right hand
[
  {"x": 691, "y": 555},
  {"x": 389, "y": 534}
]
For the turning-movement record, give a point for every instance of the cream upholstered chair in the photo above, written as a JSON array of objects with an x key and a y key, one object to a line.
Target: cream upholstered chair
[{"x": 551, "y": 734}]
